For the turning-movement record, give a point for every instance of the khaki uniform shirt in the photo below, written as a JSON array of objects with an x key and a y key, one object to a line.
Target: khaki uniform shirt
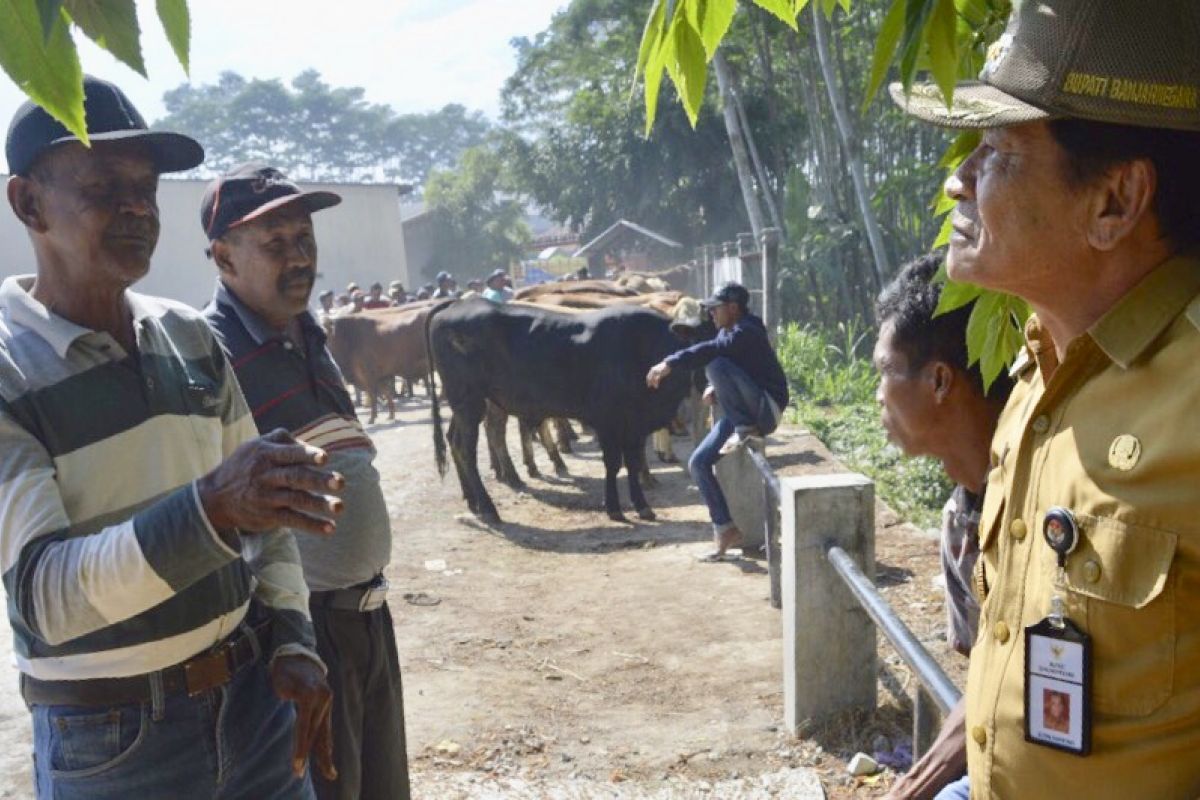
[{"x": 1112, "y": 433}]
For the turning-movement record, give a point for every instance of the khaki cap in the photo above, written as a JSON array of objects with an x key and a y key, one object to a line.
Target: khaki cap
[{"x": 1129, "y": 62}]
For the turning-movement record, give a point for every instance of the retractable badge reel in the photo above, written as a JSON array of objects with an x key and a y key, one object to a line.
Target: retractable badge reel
[{"x": 1058, "y": 657}]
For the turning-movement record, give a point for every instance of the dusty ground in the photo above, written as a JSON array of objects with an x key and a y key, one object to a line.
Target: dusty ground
[{"x": 566, "y": 655}]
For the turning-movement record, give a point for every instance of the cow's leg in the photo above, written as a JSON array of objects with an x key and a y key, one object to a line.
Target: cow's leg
[
  {"x": 546, "y": 435},
  {"x": 644, "y": 474},
  {"x": 526, "y": 434},
  {"x": 496, "y": 427},
  {"x": 459, "y": 469},
  {"x": 391, "y": 396},
  {"x": 610, "y": 447},
  {"x": 662, "y": 446},
  {"x": 372, "y": 388},
  {"x": 635, "y": 464},
  {"x": 565, "y": 434},
  {"x": 465, "y": 444}
]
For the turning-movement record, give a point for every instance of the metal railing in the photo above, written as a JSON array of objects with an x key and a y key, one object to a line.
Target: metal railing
[
  {"x": 771, "y": 500},
  {"x": 941, "y": 689},
  {"x": 933, "y": 683}
]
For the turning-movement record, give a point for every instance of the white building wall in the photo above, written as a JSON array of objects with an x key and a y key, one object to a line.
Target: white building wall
[{"x": 360, "y": 240}]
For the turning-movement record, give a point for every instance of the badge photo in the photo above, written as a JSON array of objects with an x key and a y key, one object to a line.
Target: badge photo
[{"x": 1058, "y": 687}]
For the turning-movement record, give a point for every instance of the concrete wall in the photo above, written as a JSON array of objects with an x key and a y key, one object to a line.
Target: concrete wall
[{"x": 360, "y": 240}]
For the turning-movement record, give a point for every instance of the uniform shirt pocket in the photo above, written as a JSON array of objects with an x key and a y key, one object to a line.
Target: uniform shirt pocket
[{"x": 1124, "y": 572}]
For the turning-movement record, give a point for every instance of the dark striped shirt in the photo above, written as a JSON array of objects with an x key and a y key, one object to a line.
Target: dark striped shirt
[
  {"x": 110, "y": 564},
  {"x": 298, "y": 387}
]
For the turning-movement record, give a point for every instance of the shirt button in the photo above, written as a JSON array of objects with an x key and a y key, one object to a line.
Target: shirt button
[
  {"x": 1091, "y": 571},
  {"x": 1018, "y": 529},
  {"x": 1041, "y": 424},
  {"x": 979, "y": 734},
  {"x": 1000, "y": 632}
]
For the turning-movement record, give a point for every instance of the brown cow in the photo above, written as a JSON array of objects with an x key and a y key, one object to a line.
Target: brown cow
[
  {"x": 574, "y": 287},
  {"x": 374, "y": 347}
]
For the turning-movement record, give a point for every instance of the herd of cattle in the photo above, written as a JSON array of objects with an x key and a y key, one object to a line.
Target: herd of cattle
[{"x": 557, "y": 352}]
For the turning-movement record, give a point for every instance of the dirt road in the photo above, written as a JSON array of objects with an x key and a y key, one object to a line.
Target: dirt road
[{"x": 565, "y": 655}]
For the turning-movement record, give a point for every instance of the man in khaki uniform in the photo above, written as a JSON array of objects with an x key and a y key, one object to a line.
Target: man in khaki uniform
[{"x": 1084, "y": 198}]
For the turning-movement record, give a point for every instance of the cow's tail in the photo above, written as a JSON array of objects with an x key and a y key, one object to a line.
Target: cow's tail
[{"x": 439, "y": 438}]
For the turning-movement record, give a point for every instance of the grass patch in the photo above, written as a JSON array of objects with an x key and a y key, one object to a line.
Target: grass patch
[{"x": 833, "y": 390}]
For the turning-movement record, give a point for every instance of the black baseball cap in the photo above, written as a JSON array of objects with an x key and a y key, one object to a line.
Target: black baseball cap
[
  {"x": 110, "y": 117},
  {"x": 731, "y": 292},
  {"x": 247, "y": 192},
  {"x": 1126, "y": 62}
]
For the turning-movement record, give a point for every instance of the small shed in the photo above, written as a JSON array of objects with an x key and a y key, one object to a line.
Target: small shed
[{"x": 625, "y": 245}]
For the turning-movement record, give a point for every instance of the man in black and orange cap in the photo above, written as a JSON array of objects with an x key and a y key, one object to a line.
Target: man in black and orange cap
[
  {"x": 1083, "y": 198},
  {"x": 260, "y": 229}
]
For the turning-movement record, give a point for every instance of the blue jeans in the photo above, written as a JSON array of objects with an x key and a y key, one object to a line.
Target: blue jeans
[
  {"x": 959, "y": 790},
  {"x": 231, "y": 742},
  {"x": 743, "y": 405}
]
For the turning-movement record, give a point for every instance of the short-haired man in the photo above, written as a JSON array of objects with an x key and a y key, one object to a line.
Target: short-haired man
[
  {"x": 261, "y": 237},
  {"x": 160, "y": 619},
  {"x": 1083, "y": 198},
  {"x": 745, "y": 381},
  {"x": 934, "y": 404},
  {"x": 445, "y": 286},
  {"x": 375, "y": 298}
]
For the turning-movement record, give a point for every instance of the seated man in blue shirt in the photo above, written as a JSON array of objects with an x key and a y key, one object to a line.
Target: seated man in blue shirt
[{"x": 745, "y": 381}]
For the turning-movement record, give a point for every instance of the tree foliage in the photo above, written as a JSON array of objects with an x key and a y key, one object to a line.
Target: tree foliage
[
  {"x": 37, "y": 47},
  {"x": 479, "y": 223},
  {"x": 947, "y": 38},
  {"x": 575, "y": 140},
  {"x": 315, "y": 131}
]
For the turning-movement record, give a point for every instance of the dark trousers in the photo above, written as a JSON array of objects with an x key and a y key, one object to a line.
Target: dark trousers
[{"x": 369, "y": 750}]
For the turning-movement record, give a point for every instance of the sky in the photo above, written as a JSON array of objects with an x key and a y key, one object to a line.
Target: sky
[{"x": 414, "y": 55}]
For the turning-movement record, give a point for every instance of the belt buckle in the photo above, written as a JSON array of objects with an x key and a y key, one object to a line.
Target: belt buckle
[
  {"x": 375, "y": 594},
  {"x": 206, "y": 672}
]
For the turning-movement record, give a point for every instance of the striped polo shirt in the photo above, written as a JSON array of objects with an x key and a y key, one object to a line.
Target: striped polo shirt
[
  {"x": 295, "y": 385},
  {"x": 110, "y": 565}
]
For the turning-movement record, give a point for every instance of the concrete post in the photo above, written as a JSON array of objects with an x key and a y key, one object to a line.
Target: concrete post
[
  {"x": 829, "y": 662},
  {"x": 927, "y": 720}
]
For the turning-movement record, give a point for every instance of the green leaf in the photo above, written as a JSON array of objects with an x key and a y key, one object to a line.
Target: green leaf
[
  {"x": 963, "y": 145},
  {"x": 955, "y": 295},
  {"x": 177, "y": 24},
  {"x": 112, "y": 24},
  {"x": 943, "y": 48},
  {"x": 655, "y": 65},
  {"x": 994, "y": 333},
  {"x": 46, "y": 70},
  {"x": 651, "y": 37},
  {"x": 717, "y": 19},
  {"x": 943, "y": 237},
  {"x": 885, "y": 49},
  {"x": 693, "y": 11},
  {"x": 688, "y": 69},
  {"x": 48, "y": 13},
  {"x": 916, "y": 13},
  {"x": 784, "y": 9}
]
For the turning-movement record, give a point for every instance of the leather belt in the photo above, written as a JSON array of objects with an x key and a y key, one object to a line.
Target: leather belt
[
  {"x": 364, "y": 597},
  {"x": 208, "y": 670}
]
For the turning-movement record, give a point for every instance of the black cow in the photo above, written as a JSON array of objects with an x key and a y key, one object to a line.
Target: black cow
[{"x": 536, "y": 364}]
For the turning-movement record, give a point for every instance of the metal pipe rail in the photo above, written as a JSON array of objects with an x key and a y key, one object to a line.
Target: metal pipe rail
[
  {"x": 939, "y": 686},
  {"x": 772, "y": 497}
]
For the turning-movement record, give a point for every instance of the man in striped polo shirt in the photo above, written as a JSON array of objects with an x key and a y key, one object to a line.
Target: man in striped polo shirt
[
  {"x": 159, "y": 612},
  {"x": 260, "y": 228}
]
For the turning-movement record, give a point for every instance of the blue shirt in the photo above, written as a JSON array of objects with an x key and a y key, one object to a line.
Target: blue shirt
[{"x": 745, "y": 344}]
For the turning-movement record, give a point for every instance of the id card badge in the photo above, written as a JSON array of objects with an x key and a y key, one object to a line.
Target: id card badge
[{"x": 1058, "y": 686}]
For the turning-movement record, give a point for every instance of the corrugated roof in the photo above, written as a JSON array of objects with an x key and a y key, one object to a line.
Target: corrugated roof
[{"x": 616, "y": 229}]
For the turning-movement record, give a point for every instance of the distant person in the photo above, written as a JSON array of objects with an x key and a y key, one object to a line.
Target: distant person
[
  {"x": 445, "y": 286},
  {"x": 342, "y": 302},
  {"x": 933, "y": 404},
  {"x": 397, "y": 294},
  {"x": 497, "y": 290},
  {"x": 745, "y": 381},
  {"x": 375, "y": 298},
  {"x": 266, "y": 255},
  {"x": 358, "y": 302},
  {"x": 582, "y": 273},
  {"x": 326, "y": 312},
  {"x": 351, "y": 288},
  {"x": 160, "y": 619}
]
